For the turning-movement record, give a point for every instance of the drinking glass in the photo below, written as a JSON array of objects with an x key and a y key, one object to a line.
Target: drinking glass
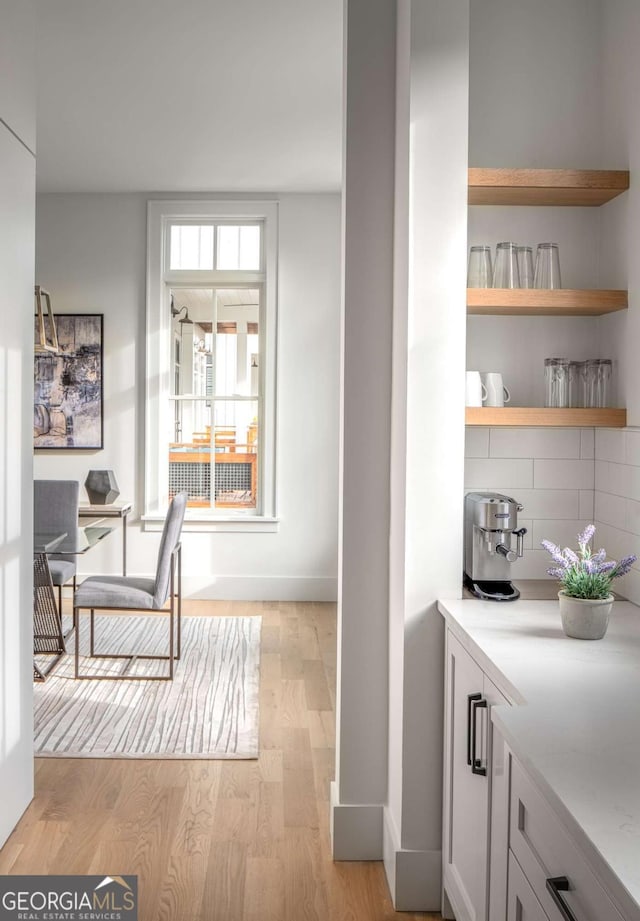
[
  {"x": 525, "y": 266},
  {"x": 603, "y": 382},
  {"x": 577, "y": 376},
  {"x": 505, "y": 273},
  {"x": 480, "y": 272},
  {"x": 547, "y": 274},
  {"x": 575, "y": 372},
  {"x": 591, "y": 369},
  {"x": 556, "y": 382}
]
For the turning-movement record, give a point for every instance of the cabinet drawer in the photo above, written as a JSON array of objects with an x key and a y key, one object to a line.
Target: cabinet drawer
[
  {"x": 522, "y": 905},
  {"x": 545, "y": 851}
]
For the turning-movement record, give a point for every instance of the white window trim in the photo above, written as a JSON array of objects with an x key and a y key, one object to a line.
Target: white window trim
[{"x": 160, "y": 214}]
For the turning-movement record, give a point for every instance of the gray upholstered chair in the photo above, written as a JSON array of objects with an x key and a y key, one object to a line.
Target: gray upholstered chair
[
  {"x": 127, "y": 593},
  {"x": 55, "y": 510}
]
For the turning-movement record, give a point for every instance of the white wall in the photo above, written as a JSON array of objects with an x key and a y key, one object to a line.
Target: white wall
[
  {"x": 18, "y": 70},
  {"x": 91, "y": 255},
  {"x": 17, "y": 194},
  {"x": 535, "y": 83}
]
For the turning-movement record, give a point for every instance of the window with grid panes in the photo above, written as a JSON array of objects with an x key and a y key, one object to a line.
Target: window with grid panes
[{"x": 211, "y": 340}]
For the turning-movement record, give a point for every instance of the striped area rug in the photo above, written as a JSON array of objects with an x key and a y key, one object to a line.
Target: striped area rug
[{"x": 209, "y": 710}]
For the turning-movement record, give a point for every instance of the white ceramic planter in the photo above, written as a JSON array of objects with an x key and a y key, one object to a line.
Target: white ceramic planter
[{"x": 585, "y": 618}]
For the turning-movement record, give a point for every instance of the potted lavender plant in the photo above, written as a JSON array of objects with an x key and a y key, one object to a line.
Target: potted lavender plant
[{"x": 585, "y": 598}]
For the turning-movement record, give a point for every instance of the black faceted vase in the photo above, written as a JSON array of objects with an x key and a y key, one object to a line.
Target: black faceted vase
[{"x": 101, "y": 487}]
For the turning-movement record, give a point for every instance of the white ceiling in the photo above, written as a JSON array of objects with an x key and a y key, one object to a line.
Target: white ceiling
[{"x": 189, "y": 96}]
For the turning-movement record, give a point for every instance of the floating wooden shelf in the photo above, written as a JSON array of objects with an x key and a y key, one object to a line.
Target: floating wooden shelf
[
  {"x": 537, "y": 302},
  {"x": 540, "y": 415},
  {"x": 545, "y": 186}
]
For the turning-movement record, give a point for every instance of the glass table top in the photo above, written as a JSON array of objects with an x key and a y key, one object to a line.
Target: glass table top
[{"x": 75, "y": 542}]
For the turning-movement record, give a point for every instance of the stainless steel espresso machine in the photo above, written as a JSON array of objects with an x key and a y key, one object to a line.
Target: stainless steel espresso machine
[{"x": 490, "y": 523}]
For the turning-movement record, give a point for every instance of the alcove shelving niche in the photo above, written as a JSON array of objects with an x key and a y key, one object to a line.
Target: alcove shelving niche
[{"x": 546, "y": 187}]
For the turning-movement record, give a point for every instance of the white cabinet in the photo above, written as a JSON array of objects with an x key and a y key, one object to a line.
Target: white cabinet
[
  {"x": 558, "y": 872},
  {"x": 547, "y": 834},
  {"x": 468, "y": 774},
  {"x": 522, "y": 902}
]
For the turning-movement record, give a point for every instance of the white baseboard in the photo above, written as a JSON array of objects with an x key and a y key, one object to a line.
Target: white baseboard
[
  {"x": 414, "y": 877},
  {"x": 255, "y": 588},
  {"x": 260, "y": 588},
  {"x": 356, "y": 830}
]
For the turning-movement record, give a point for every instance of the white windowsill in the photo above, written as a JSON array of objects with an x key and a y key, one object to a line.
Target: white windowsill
[{"x": 261, "y": 523}]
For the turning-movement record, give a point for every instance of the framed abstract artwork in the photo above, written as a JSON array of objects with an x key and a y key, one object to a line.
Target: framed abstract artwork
[{"x": 67, "y": 411}]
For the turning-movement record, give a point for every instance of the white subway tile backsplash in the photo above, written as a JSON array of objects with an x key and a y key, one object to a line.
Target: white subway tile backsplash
[
  {"x": 629, "y": 586},
  {"x": 632, "y": 520},
  {"x": 630, "y": 479},
  {"x": 549, "y": 503},
  {"x": 565, "y": 479},
  {"x": 602, "y": 479},
  {"x": 534, "y": 442},
  {"x": 527, "y": 523},
  {"x": 617, "y": 479},
  {"x": 627, "y": 543},
  {"x": 610, "y": 445},
  {"x": 533, "y": 565},
  {"x": 586, "y": 504},
  {"x": 616, "y": 542},
  {"x": 563, "y": 474},
  {"x": 587, "y": 444},
  {"x": 476, "y": 442},
  {"x": 563, "y": 532},
  {"x": 624, "y": 480},
  {"x": 617, "y": 501},
  {"x": 610, "y": 538},
  {"x": 632, "y": 448},
  {"x": 500, "y": 475},
  {"x": 611, "y": 510}
]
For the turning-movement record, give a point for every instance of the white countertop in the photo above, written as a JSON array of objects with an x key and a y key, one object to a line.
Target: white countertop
[{"x": 575, "y": 724}]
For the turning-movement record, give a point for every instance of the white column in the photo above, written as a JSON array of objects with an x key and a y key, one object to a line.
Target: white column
[
  {"x": 403, "y": 427},
  {"x": 427, "y": 457},
  {"x": 360, "y": 789}
]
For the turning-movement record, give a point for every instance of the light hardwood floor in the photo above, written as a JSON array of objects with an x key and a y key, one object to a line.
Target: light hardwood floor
[{"x": 219, "y": 840}]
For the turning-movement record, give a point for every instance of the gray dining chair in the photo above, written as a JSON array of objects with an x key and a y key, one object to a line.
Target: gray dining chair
[
  {"x": 55, "y": 511},
  {"x": 129, "y": 593}
]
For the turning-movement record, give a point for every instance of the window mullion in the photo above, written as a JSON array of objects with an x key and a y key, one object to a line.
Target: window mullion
[{"x": 212, "y": 278}]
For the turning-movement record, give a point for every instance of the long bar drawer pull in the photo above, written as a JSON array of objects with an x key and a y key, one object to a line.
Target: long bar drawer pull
[
  {"x": 470, "y": 700},
  {"x": 556, "y": 885},
  {"x": 476, "y": 763}
]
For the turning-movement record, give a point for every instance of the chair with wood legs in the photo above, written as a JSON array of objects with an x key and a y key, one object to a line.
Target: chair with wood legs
[
  {"x": 130, "y": 594},
  {"x": 55, "y": 511}
]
